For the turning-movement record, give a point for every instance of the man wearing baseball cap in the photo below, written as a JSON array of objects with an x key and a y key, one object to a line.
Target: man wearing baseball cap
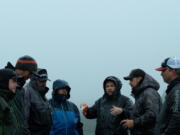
[
  {"x": 147, "y": 103},
  {"x": 169, "y": 119},
  {"x": 37, "y": 109}
]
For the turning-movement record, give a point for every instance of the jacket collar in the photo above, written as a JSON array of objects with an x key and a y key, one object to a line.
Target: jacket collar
[{"x": 172, "y": 84}]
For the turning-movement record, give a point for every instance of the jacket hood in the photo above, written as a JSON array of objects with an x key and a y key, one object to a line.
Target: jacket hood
[
  {"x": 148, "y": 82},
  {"x": 117, "y": 83},
  {"x": 58, "y": 84},
  {"x": 5, "y": 76}
]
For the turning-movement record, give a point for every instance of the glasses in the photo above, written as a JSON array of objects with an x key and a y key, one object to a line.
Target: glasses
[{"x": 164, "y": 70}]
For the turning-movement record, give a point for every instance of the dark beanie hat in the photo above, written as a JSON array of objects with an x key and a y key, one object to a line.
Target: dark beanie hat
[
  {"x": 5, "y": 76},
  {"x": 26, "y": 63}
]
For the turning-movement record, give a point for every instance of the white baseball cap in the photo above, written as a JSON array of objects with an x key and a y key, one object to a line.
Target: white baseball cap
[{"x": 173, "y": 63}]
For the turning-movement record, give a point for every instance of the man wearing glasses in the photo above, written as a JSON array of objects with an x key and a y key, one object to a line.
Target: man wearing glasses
[
  {"x": 169, "y": 119},
  {"x": 37, "y": 108}
]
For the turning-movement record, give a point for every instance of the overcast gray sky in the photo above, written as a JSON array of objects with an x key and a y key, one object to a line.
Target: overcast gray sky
[{"x": 84, "y": 41}]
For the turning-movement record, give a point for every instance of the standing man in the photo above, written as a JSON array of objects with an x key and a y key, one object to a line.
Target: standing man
[
  {"x": 147, "y": 103},
  {"x": 37, "y": 108},
  {"x": 110, "y": 109},
  {"x": 169, "y": 120},
  {"x": 8, "y": 84},
  {"x": 25, "y": 67},
  {"x": 66, "y": 116}
]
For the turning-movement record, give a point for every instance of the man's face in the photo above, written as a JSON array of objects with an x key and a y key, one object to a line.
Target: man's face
[
  {"x": 110, "y": 88},
  {"x": 26, "y": 74},
  {"x": 135, "y": 81},
  {"x": 12, "y": 85},
  {"x": 167, "y": 75},
  {"x": 62, "y": 91},
  {"x": 41, "y": 83}
]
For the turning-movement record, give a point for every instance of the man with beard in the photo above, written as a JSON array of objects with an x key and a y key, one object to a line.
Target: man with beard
[
  {"x": 37, "y": 108},
  {"x": 147, "y": 103},
  {"x": 169, "y": 118}
]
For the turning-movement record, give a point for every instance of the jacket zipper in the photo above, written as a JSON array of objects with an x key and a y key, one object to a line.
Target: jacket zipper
[{"x": 64, "y": 117}]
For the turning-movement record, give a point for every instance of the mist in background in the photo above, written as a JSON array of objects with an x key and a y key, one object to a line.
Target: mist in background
[{"x": 84, "y": 41}]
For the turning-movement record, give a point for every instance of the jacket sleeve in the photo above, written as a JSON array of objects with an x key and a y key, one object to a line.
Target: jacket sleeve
[
  {"x": 92, "y": 111},
  {"x": 1, "y": 120},
  {"x": 27, "y": 101},
  {"x": 127, "y": 108},
  {"x": 79, "y": 125},
  {"x": 174, "y": 121},
  {"x": 149, "y": 116},
  {"x": 3, "y": 110},
  {"x": 80, "y": 128}
]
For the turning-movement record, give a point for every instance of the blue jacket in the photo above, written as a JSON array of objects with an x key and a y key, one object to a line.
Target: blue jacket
[{"x": 66, "y": 117}]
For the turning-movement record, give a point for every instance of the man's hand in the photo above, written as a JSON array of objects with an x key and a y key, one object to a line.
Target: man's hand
[
  {"x": 127, "y": 124},
  {"x": 84, "y": 108},
  {"x": 116, "y": 110}
]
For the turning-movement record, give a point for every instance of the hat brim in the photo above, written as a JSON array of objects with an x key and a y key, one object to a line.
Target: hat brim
[
  {"x": 42, "y": 80},
  {"x": 35, "y": 73},
  {"x": 161, "y": 69},
  {"x": 127, "y": 78}
]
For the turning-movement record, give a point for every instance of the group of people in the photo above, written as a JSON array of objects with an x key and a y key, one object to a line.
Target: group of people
[{"x": 25, "y": 110}]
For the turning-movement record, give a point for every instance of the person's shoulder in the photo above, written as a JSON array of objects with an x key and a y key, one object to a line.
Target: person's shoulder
[
  {"x": 73, "y": 106},
  {"x": 70, "y": 102},
  {"x": 176, "y": 87},
  {"x": 175, "y": 91},
  {"x": 149, "y": 90},
  {"x": 3, "y": 104},
  {"x": 102, "y": 98},
  {"x": 150, "y": 93},
  {"x": 123, "y": 97}
]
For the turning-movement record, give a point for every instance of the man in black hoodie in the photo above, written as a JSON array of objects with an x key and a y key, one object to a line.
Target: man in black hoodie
[
  {"x": 169, "y": 119},
  {"x": 8, "y": 121},
  {"x": 147, "y": 103},
  {"x": 25, "y": 67},
  {"x": 110, "y": 109}
]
